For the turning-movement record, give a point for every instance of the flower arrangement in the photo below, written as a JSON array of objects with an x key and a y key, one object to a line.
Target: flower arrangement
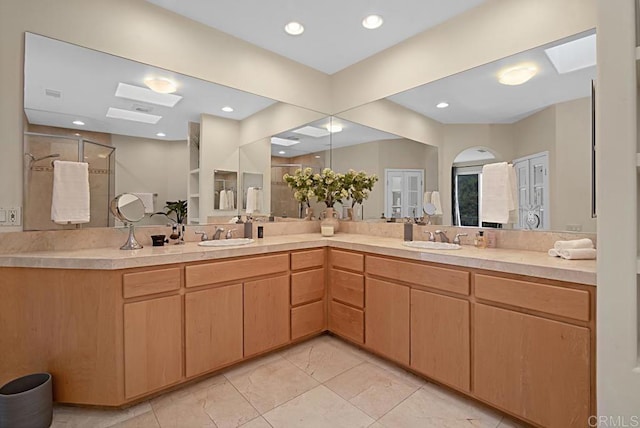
[
  {"x": 303, "y": 183},
  {"x": 358, "y": 185},
  {"x": 329, "y": 186}
]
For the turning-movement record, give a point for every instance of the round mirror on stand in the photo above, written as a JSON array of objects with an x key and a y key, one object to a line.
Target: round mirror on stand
[
  {"x": 129, "y": 209},
  {"x": 429, "y": 209}
]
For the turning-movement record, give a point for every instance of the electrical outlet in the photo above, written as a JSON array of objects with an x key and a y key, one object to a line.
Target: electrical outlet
[
  {"x": 574, "y": 228},
  {"x": 14, "y": 217}
]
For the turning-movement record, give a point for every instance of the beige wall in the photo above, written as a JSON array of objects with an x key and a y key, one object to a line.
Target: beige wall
[
  {"x": 151, "y": 166},
  {"x": 377, "y": 156}
]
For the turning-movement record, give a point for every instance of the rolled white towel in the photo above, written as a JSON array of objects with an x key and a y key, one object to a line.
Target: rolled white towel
[
  {"x": 553, "y": 253},
  {"x": 574, "y": 243},
  {"x": 578, "y": 254}
]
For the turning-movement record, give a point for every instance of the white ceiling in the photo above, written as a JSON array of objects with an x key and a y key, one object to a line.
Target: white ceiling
[
  {"x": 334, "y": 37},
  {"x": 476, "y": 96},
  {"x": 87, "y": 81}
]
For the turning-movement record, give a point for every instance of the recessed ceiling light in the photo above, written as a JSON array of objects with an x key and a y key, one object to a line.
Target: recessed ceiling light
[
  {"x": 78, "y": 122},
  {"x": 134, "y": 116},
  {"x": 160, "y": 85},
  {"x": 574, "y": 55},
  {"x": 334, "y": 127},
  {"x": 312, "y": 131},
  {"x": 294, "y": 28},
  {"x": 372, "y": 22},
  {"x": 137, "y": 93},
  {"x": 317, "y": 156},
  {"x": 517, "y": 75},
  {"x": 442, "y": 105},
  {"x": 227, "y": 109},
  {"x": 76, "y": 134},
  {"x": 282, "y": 152},
  {"x": 283, "y": 141},
  {"x": 161, "y": 134}
]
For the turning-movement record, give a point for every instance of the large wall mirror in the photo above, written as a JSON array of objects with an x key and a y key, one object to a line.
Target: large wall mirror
[
  {"x": 542, "y": 126},
  {"x": 87, "y": 106}
]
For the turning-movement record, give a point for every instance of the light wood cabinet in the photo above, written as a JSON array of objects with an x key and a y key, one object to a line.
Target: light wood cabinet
[
  {"x": 307, "y": 319},
  {"x": 346, "y": 321},
  {"x": 533, "y": 367},
  {"x": 213, "y": 328},
  {"x": 152, "y": 344},
  {"x": 307, "y": 286},
  {"x": 266, "y": 314},
  {"x": 440, "y": 342},
  {"x": 387, "y": 319}
]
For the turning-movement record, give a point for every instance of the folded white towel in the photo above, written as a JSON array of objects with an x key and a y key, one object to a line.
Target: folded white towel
[
  {"x": 435, "y": 200},
  {"x": 70, "y": 198},
  {"x": 574, "y": 243},
  {"x": 147, "y": 201},
  {"x": 578, "y": 253},
  {"x": 499, "y": 195},
  {"x": 553, "y": 253}
]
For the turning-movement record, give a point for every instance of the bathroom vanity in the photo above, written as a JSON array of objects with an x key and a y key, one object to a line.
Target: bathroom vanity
[{"x": 513, "y": 329}]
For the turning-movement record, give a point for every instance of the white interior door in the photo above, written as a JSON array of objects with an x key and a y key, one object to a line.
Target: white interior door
[
  {"x": 403, "y": 192},
  {"x": 533, "y": 191}
]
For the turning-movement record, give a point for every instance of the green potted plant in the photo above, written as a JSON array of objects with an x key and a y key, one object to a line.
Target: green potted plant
[{"x": 179, "y": 208}]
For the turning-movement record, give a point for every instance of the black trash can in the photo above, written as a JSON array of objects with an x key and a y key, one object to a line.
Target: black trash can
[{"x": 27, "y": 402}]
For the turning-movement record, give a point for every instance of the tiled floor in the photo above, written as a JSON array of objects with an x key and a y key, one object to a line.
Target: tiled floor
[{"x": 323, "y": 382}]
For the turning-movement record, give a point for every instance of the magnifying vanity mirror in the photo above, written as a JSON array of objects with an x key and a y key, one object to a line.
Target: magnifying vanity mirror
[{"x": 129, "y": 209}]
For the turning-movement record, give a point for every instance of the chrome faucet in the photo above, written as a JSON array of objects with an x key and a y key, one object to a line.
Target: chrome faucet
[
  {"x": 456, "y": 240},
  {"x": 216, "y": 235},
  {"x": 203, "y": 235},
  {"x": 443, "y": 235},
  {"x": 432, "y": 237},
  {"x": 229, "y": 234}
]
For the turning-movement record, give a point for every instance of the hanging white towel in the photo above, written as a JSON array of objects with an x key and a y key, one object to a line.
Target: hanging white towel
[
  {"x": 147, "y": 201},
  {"x": 252, "y": 200},
  {"x": 574, "y": 243},
  {"x": 435, "y": 200},
  {"x": 578, "y": 253},
  {"x": 498, "y": 192},
  {"x": 70, "y": 198},
  {"x": 231, "y": 200},
  {"x": 222, "y": 204},
  {"x": 426, "y": 199}
]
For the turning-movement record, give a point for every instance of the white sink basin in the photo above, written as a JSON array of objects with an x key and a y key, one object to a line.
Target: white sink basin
[
  {"x": 429, "y": 245},
  {"x": 226, "y": 242}
]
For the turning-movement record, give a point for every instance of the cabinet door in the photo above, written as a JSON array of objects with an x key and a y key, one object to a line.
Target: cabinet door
[
  {"x": 440, "y": 342},
  {"x": 387, "y": 319},
  {"x": 152, "y": 344},
  {"x": 213, "y": 328},
  {"x": 266, "y": 314},
  {"x": 531, "y": 366}
]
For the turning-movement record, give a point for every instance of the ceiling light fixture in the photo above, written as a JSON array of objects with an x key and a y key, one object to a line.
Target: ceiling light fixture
[
  {"x": 282, "y": 152},
  {"x": 372, "y": 22},
  {"x": 442, "y": 105},
  {"x": 317, "y": 156},
  {"x": 227, "y": 109},
  {"x": 334, "y": 127},
  {"x": 517, "y": 75},
  {"x": 160, "y": 85},
  {"x": 161, "y": 134},
  {"x": 312, "y": 131},
  {"x": 283, "y": 141},
  {"x": 78, "y": 122},
  {"x": 294, "y": 28}
]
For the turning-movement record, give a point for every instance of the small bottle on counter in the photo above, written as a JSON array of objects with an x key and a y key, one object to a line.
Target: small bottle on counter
[
  {"x": 490, "y": 238},
  {"x": 480, "y": 240},
  {"x": 408, "y": 231},
  {"x": 260, "y": 232}
]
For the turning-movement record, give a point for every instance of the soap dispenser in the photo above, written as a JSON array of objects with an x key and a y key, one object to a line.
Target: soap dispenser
[{"x": 480, "y": 240}]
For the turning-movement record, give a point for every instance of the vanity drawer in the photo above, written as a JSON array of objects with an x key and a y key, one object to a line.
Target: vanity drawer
[
  {"x": 346, "y": 260},
  {"x": 307, "y": 286},
  {"x": 234, "y": 270},
  {"x": 564, "y": 302},
  {"x": 451, "y": 280},
  {"x": 307, "y": 259},
  {"x": 347, "y": 287},
  {"x": 307, "y": 319},
  {"x": 150, "y": 282},
  {"x": 346, "y": 321}
]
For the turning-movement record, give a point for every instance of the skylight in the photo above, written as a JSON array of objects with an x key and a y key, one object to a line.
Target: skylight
[
  {"x": 283, "y": 141},
  {"x": 312, "y": 131},
  {"x": 134, "y": 116},
  {"x": 146, "y": 95},
  {"x": 574, "y": 55}
]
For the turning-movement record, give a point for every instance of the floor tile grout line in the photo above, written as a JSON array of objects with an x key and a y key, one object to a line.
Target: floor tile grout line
[
  {"x": 402, "y": 401},
  {"x": 246, "y": 399}
]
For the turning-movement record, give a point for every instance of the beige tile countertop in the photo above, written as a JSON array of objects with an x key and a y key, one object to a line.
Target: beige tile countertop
[{"x": 521, "y": 262}]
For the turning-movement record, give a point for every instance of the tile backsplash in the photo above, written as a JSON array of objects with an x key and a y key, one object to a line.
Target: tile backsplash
[{"x": 17, "y": 242}]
